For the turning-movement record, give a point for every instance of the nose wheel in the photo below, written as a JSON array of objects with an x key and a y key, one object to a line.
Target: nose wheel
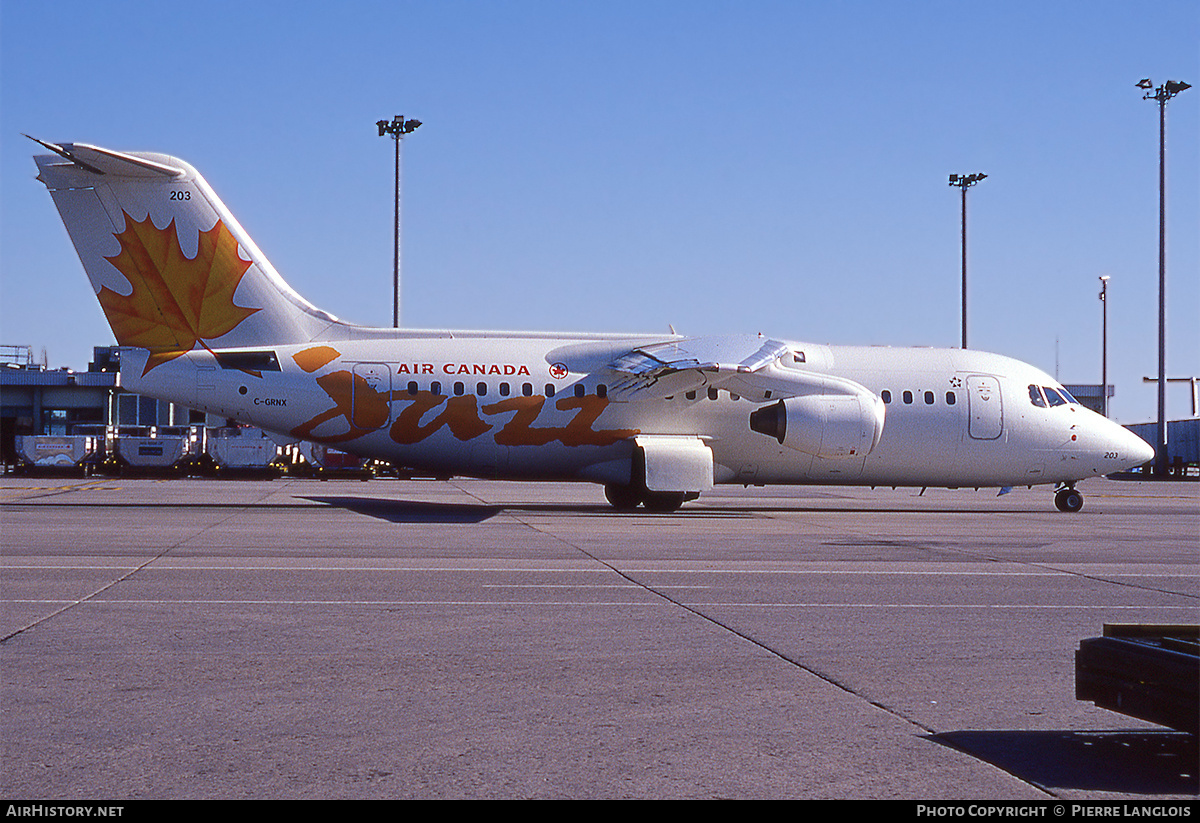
[{"x": 1068, "y": 499}]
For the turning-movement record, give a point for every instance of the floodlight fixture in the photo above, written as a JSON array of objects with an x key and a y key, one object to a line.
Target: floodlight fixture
[{"x": 398, "y": 127}]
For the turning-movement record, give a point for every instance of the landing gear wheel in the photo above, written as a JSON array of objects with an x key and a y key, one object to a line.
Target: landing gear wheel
[
  {"x": 1068, "y": 500},
  {"x": 622, "y": 498},
  {"x": 664, "y": 501}
]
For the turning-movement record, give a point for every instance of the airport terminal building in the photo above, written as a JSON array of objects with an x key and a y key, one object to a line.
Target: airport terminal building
[{"x": 83, "y": 422}]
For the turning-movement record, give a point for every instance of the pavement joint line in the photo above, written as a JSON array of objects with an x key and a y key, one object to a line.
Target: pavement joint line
[
  {"x": 728, "y": 628},
  {"x": 72, "y": 604}
]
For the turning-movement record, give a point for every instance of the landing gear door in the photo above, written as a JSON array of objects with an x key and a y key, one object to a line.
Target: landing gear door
[
  {"x": 986, "y": 407},
  {"x": 676, "y": 464},
  {"x": 371, "y": 396}
]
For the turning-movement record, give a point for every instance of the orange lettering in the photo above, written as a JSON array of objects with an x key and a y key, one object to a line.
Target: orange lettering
[
  {"x": 518, "y": 431},
  {"x": 353, "y": 398},
  {"x": 579, "y": 431},
  {"x": 461, "y": 416}
]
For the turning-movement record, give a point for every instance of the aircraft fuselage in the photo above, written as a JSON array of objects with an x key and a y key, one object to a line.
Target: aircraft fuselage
[{"x": 508, "y": 407}]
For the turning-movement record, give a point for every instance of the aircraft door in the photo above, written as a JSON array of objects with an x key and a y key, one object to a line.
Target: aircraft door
[
  {"x": 986, "y": 407},
  {"x": 370, "y": 397}
]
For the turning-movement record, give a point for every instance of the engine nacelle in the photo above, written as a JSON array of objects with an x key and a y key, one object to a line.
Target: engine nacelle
[{"x": 824, "y": 425}]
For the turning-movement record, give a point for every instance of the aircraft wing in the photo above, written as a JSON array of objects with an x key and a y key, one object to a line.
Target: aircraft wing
[
  {"x": 679, "y": 365},
  {"x": 748, "y": 365}
]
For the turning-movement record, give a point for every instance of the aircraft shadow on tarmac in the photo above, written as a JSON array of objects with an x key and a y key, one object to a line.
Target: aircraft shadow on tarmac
[
  {"x": 1126, "y": 762},
  {"x": 405, "y": 511},
  {"x": 409, "y": 511}
]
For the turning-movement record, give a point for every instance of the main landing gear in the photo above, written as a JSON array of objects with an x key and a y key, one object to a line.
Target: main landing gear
[
  {"x": 628, "y": 498},
  {"x": 1068, "y": 499}
]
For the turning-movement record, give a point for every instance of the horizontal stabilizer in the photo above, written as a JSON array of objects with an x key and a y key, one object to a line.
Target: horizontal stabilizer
[{"x": 107, "y": 161}]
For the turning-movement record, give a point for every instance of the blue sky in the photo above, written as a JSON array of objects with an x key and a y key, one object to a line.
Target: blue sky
[{"x": 621, "y": 166}]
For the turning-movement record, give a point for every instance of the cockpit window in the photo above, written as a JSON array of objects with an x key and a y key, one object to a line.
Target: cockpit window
[
  {"x": 1054, "y": 397},
  {"x": 1043, "y": 396}
]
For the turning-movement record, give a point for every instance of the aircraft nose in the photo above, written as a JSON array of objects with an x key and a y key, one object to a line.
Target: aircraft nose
[
  {"x": 1130, "y": 449},
  {"x": 1138, "y": 449}
]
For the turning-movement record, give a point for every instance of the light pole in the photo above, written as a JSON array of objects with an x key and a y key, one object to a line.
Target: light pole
[
  {"x": 1161, "y": 95},
  {"x": 1104, "y": 342},
  {"x": 964, "y": 182},
  {"x": 398, "y": 128}
]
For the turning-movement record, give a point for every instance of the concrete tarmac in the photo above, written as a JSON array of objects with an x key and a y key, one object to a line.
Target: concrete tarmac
[{"x": 476, "y": 639}]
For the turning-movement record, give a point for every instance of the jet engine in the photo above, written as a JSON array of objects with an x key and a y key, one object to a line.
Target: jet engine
[{"x": 824, "y": 425}]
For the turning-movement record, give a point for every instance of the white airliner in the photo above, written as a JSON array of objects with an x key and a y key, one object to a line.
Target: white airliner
[{"x": 656, "y": 419}]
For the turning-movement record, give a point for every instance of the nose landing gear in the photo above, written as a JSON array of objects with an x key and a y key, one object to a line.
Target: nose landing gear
[{"x": 1068, "y": 499}]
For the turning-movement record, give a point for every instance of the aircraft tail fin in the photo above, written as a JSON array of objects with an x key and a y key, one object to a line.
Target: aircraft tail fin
[{"x": 171, "y": 267}]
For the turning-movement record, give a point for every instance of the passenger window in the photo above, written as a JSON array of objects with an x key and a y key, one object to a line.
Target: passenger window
[
  {"x": 908, "y": 398},
  {"x": 549, "y": 389},
  {"x": 712, "y": 393},
  {"x": 504, "y": 390},
  {"x": 579, "y": 390},
  {"x": 481, "y": 389},
  {"x": 527, "y": 389},
  {"x": 601, "y": 390},
  {"x": 690, "y": 395},
  {"x": 412, "y": 387},
  {"x": 886, "y": 396},
  {"x": 459, "y": 388},
  {"x": 928, "y": 398},
  {"x": 435, "y": 387},
  {"x": 951, "y": 399},
  {"x": 1035, "y": 397}
]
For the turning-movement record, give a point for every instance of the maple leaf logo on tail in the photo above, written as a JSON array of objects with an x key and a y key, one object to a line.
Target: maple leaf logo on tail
[{"x": 177, "y": 302}]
